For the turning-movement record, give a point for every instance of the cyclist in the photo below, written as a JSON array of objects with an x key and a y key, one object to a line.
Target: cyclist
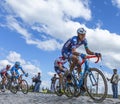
[
  {"x": 69, "y": 48},
  {"x": 14, "y": 70},
  {"x": 59, "y": 67},
  {"x": 4, "y": 76}
]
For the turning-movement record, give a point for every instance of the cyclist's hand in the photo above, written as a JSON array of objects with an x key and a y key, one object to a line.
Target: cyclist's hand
[
  {"x": 26, "y": 74},
  {"x": 83, "y": 56},
  {"x": 98, "y": 54}
]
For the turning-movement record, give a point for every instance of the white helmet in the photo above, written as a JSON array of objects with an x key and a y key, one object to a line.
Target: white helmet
[{"x": 81, "y": 31}]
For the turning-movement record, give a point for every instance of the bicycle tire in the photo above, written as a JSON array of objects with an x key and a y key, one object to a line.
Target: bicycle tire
[
  {"x": 24, "y": 86},
  {"x": 69, "y": 88},
  {"x": 97, "y": 95},
  {"x": 13, "y": 87},
  {"x": 1, "y": 87},
  {"x": 7, "y": 86},
  {"x": 58, "y": 89}
]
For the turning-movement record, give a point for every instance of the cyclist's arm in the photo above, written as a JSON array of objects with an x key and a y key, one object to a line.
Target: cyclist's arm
[
  {"x": 4, "y": 76},
  {"x": 22, "y": 70},
  {"x": 88, "y": 51}
]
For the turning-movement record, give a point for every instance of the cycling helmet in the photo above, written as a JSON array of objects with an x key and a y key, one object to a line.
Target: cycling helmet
[
  {"x": 17, "y": 63},
  {"x": 81, "y": 31}
]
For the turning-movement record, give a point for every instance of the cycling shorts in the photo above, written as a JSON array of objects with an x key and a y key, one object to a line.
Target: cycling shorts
[
  {"x": 58, "y": 71},
  {"x": 67, "y": 54}
]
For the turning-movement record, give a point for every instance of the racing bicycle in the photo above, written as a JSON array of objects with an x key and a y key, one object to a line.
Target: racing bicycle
[{"x": 92, "y": 80}]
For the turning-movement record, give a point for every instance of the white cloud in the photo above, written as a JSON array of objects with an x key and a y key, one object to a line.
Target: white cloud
[
  {"x": 50, "y": 44},
  {"x": 106, "y": 43},
  {"x": 31, "y": 10},
  {"x": 3, "y": 63},
  {"x": 51, "y": 74},
  {"x": 53, "y": 16},
  {"x": 116, "y": 3},
  {"x": 14, "y": 56}
]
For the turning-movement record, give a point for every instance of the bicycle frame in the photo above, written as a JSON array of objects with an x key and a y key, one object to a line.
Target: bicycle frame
[{"x": 86, "y": 70}]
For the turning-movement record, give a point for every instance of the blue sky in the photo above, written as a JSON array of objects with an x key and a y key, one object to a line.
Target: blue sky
[{"x": 33, "y": 32}]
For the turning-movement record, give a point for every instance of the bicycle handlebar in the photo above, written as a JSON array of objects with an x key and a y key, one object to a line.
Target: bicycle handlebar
[
  {"x": 90, "y": 56},
  {"x": 24, "y": 74}
]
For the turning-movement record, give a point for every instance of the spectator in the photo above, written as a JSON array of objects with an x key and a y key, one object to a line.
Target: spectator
[
  {"x": 53, "y": 83},
  {"x": 114, "y": 81},
  {"x": 37, "y": 80}
]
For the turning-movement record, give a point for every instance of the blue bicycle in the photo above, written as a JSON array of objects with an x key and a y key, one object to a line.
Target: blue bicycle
[{"x": 92, "y": 80}]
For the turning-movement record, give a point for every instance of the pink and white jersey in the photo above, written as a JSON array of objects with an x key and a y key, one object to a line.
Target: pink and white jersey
[
  {"x": 3, "y": 71},
  {"x": 59, "y": 60}
]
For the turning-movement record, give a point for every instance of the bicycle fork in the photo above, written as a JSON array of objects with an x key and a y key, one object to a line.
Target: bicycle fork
[
  {"x": 92, "y": 79},
  {"x": 91, "y": 76}
]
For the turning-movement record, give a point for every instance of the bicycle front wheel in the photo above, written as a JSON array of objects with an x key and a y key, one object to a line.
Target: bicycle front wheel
[
  {"x": 24, "y": 86},
  {"x": 58, "y": 87},
  {"x": 96, "y": 85}
]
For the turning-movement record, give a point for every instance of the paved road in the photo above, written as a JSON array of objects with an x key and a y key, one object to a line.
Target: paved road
[{"x": 39, "y": 98}]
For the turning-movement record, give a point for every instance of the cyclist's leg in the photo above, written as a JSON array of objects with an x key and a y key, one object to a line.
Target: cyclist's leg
[
  {"x": 68, "y": 55},
  {"x": 75, "y": 62},
  {"x": 3, "y": 81},
  {"x": 59, "y": 74},
  {"x": 18, "y": 76},
  {"x": 8, "y": 76}
]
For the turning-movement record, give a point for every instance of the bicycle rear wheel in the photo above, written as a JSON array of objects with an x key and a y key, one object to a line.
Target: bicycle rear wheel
[
  {"x": 96, "y": 85},
  {"x": 69, "y": 85},
  {"x": 58, "y": 87},
  {"x": 24, "y": 86}
]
